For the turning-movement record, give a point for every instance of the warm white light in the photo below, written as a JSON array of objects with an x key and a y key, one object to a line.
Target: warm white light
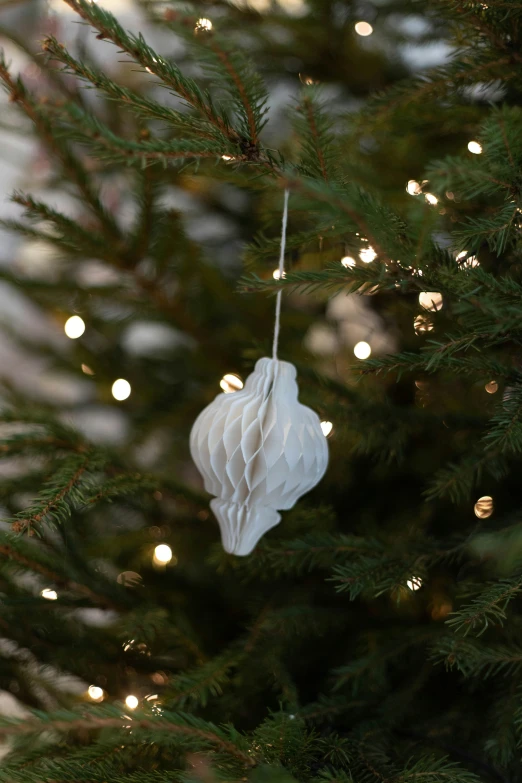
[
  {"x": 363, "y": 28},
  {"x": 422, "y": 323},
  {"x": 227, "y": 157},
  {"x": 474, "y": 147},
  {"x": 51, "y": 595},
  {"x": 203, "y": 24},
  {"x": 87, "y": 370},
  {"x": 491, "y": 387},
  {"x": 431, "y": 199},
  {"x": 362, "y": 350},
  {"x": 430, "y": 300},
  {"x": 472, "y": 261},
  {"x": 276, "y": 274},
  {"x": 413, "y": 187},
  {"x": 326, "y": 427},
  {"x": 348, "y": 261},
  {"x": 131, "y": 702},
  {"x": 368, "y": 254},
  {"x": 483, "y": 507},
  {"x": 74, "y": 327},
  {"x": 121, "y": 389},
  {"x": 415, "y": 583},
  {"x": 231, "y": 383},
  {"x": 163, "y": 554},
  {"x": 95, "y": 693}
]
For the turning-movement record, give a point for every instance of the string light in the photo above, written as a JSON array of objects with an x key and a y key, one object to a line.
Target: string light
[
  {"x": 231, "y": 383},
  {"x": 121, "y": 389},
  {"x": 131, "y": 702},
  {"x": 422, "y": 323},
  {"x": 483, "y": 507},
  {"x": 474, "y": 147},
  {"x": 74, "y": 327},
  {"x": 368, "y": 254},
  {"x": 227, "y": 157},
  {"x": 470, "y": 262},
  {"x": 415, "y": 583},
  {"x": 363, "y": 28},
  {"x": 413, "y": 187},
  {"x": 430, "y": 300},
  {"x": 203, "y": 25},
  {"x": 326, "y": 427},
  {"x": 491, "y": 387},
  {"x": 51, "y": 595},
  {"x": 431, "y": 199},
  {"x": 95, "y": 693},
  {"x": 348, "y": 262},
  {"x": 362, "y": 350},
  {"x": 276, "y": 274},
  {"x": 87, "y": 370},
  {"x": 162, "y": 554}
]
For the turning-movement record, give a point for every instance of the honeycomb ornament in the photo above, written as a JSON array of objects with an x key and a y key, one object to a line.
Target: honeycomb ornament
[{"x": 258, "y": 451}]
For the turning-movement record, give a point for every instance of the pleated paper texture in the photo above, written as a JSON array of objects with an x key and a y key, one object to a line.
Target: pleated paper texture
[{"x": 258, "y": 451}]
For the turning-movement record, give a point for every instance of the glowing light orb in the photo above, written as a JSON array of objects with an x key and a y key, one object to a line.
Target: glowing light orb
[
  {"x": 231, "y": 383},
  {"x": 74, "y": 327},
  {"x": 363, "y": 28},
  {"x": 362, "y": 350},
  {"x": 121, "y": 389}
]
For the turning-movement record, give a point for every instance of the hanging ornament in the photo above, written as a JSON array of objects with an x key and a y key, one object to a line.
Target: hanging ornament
[{"x": 258, "y": 449}]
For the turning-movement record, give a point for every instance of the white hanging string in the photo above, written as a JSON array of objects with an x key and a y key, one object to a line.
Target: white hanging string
[{"x": 281, "y": 273}]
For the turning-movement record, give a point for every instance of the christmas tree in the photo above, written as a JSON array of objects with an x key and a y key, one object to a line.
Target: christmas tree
[{"x": 375, "y": 633}]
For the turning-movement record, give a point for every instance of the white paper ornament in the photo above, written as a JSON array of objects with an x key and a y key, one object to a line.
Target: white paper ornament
[{"x": 258, "y": 450}]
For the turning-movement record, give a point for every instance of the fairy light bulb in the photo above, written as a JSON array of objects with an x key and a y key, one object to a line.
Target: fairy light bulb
[
  {"x": 348, "y": 262},
  {"x": 474, "y": 147},
  {"x": 51, "y": 595},
  {"x": 203, "y": 25},
  {"x": 413, "y": 188},
  {"x": 430, "y": 300},
  {"x": 162, "y": 554},
  {"x": 74, "y": 327},
  {"x": 367, "y": 254},
  {"x": 431, "y": 199},
  {"x": 483, "y": 508},
  {"x": 276, "y": 274},
  {"x": 362, "y": 350},
  {"x": 326, "y": 427},
  {"x": 231, "y": 383},
  {"x": 121, "y": 389},
  {"x": 491, "y": 387},
  {"x": 95, "y": 693},
  {"x": 131, "y": 702},
  {"x": 363, "y": 28},
  {"x": 415, "y": 583}
]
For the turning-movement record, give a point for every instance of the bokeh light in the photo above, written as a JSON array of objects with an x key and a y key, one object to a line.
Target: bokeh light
[
  {"x": 74, "y": 327},
  {"x": 121, "y": 389}
]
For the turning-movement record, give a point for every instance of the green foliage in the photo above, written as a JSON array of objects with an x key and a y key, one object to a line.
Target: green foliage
[{"x": 375, "y": 636}]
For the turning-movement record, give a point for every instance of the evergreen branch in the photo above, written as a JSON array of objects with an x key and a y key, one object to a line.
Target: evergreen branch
[
  {"x": 141, "y": 52},
  {"x": 180, "y": 724},
  {"x": 475, "y": 659},
  {"x": 72, "y": 166},
  {"x": 53, "y": 502},
  {"x": 487, "y": 608}
]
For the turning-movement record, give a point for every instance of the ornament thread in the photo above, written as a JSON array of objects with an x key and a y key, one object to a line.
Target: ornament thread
[{"x": 281, "y": 270}]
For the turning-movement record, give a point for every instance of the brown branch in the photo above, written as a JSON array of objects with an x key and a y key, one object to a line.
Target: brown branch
[
  {"x": 23, "y": 524},
  {"x": 313, "y": 128},
  {"x": 29, "y": 726},
  {"x": 54, "y": 578},
  {"x": 151, "y": 66},
  {"x": 73, "y": 168},
  {"x": 223, "y": 56}
]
